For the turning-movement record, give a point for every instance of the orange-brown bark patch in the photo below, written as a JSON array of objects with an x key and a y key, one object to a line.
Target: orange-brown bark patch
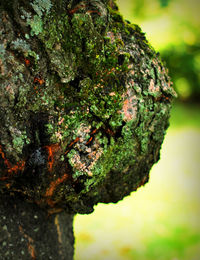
[
  {"x": 54, "y": 184},
  {"x": 52, "y": 149},
  {"x": 30, "y": 244}
]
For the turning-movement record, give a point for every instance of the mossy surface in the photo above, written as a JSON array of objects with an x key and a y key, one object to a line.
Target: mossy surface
[{"x": 85, "y": 104}]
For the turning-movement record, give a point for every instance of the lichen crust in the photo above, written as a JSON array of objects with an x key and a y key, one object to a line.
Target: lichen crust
[{"x": 85, "y": 103}]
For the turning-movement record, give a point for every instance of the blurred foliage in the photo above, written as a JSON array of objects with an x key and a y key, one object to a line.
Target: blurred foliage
[
  {"x": 164, "y": 3},
  {"x": 172, "y": 27},
  {"x": 185, "y": 116},
  {"x": 183, "y": 62}
]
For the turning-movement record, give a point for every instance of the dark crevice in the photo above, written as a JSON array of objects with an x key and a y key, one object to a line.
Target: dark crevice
[
  {"x": 118, "y": 132},
  {"x": 37, "y": 158},
  {"x": 79, "y": 184},
  {"x": 107, "y": 129},
  {"x": 75, "y": 83},
  {"x": 156, "y": 76},
  {"x": 38, "y": 128},
  {"x": 121, "y": 59}
]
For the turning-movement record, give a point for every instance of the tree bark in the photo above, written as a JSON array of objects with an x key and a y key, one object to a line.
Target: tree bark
[
  {"x": 85, "y": 103},
  {"x": 28, "y": 232}
]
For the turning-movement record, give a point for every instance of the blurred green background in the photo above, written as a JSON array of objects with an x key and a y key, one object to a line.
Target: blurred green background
[{"x": 161, "y": 221}]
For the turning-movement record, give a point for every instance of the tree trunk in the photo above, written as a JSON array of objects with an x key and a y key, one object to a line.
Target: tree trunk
[
  {"x": 85, "y": 104},
  {"x": 28, "y": 232}
]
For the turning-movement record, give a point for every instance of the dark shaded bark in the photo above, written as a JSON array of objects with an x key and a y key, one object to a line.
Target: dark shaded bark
[
  {"x": 28, "y": 232},
  {"x": 85, "y": 104}
]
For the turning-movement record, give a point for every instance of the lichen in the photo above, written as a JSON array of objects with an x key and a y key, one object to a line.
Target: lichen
[
  {"x": 36, "y": 25},
  {"x": 91, "y": 97},
  {"x": 41, "y": 6},
  {"x": 21, "y": 45},
  {"x": 2, "y": 51}
]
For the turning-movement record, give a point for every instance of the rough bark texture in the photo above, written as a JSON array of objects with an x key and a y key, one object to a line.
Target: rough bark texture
[
  {"x": 28, "y": 232},
  {"x": 84, "y": 101}
]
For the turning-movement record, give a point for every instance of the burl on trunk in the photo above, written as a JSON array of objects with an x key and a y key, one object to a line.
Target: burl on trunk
[{"x": 84, "y": 106}]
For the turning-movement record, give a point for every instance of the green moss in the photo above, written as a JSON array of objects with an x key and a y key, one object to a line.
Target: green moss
[
  {"x": 36, "y": 25},
  {"x": 99, "y": 98},
  {"x": 34, "y": 55},
  {"x": 19, "y": 141},
  {"x": 117, "y": 156},
  {"x": 116, "y": 16},
  {"x": 2, "y": 51}
]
